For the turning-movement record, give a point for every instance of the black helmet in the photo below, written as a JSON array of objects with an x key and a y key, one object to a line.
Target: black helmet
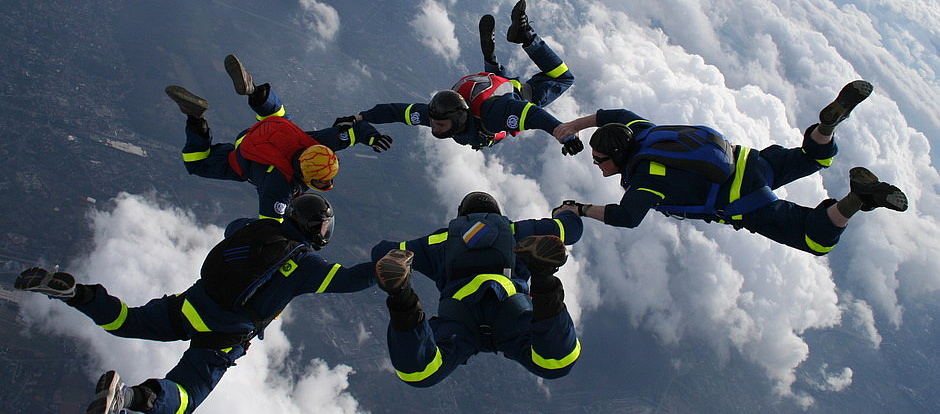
[
  {"x": 478, "y": 202},
  {"x": 449, "y": 105},
  {"x": 615, "y": 140},
  {"x": 313, "y": 216}
]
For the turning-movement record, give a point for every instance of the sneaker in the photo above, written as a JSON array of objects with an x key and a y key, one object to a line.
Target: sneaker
[
  {"x": 109, "y": 395},
  {"x": 240, "y": 77},
  {"x": 541, "y": 253},
  {"x": 850, "y": 96},
  {"x": 520, "y": 31},
  {"x": 189, "y": 103},
  {"x": 874, "y": 193},
  {"x": 393, "y": 271},
  {"x": 488, "y": 37},
  {"x": 55, "y": 284}
]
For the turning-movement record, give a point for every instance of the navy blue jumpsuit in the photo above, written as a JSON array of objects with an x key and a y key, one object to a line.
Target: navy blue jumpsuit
[
  {"x": 180, "y": 316},
  {"x": 651, "y": 184},
  {"x": 428, "y": 353},
  {"x": 506, "y": 113},
  {"x": 205, "y": 159}
]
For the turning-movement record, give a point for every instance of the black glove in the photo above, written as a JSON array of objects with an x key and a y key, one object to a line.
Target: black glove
[
  {"x": 344, "y": 122},
  {"x": 572, "y": 146},
  {"x": 380, "y": 143}
]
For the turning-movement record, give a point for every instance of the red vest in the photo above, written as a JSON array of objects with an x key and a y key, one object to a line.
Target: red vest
[
  {"x": 477, "y": 88},
  {"x": 271, "y": 141}
]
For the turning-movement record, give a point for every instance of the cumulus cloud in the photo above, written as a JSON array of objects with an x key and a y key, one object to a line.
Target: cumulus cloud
[
  {"x": 142, "y": 250},
  {"x": 321, "y": 20},
  {"x": 433, "y": 28},
  {"x": 760, "y": 74}
]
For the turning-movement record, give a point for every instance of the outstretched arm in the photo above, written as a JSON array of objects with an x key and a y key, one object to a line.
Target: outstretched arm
[{"x": 570, "y": 128}]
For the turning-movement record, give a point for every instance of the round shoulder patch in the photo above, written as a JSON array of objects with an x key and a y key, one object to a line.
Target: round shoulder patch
[
  {"x": 415, "y": 118},
  {"x": 512, "y": 122},
  {"x": 280, "y": 208}
]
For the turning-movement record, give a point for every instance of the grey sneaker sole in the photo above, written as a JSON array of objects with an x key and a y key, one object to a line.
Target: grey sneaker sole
[
  {"x": 189, "y": 103},
  {"x": 850, "y": 96},
  {"x": 56, "y": 284},
  {"x": 541, "y": 252},
  {"x": 241, "y": 79},
  {"x": 393, "y": 270},
  {"x": 109, "y": 397}
]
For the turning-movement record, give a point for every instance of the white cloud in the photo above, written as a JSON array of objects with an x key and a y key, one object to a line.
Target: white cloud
[
  {"x": 433, "y": 28},
  {"x": 141, "y": 251},
  {"x": 321, "y": 20}
]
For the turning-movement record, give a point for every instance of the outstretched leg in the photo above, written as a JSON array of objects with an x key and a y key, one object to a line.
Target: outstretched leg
[
  {"x": 866, "y": 194},
  {"x": 261, "y": 98},
  {"x": 554, "y": 77}
]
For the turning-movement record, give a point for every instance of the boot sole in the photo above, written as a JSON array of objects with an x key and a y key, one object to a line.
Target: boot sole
[
  {"x": 849, "y": 97},
  {"x": 109, "y": 382},
  {"x": 394, "y": 269},
  {"x": 889, "y": 196},
  {"x": 547, "y": 251},
  {"x": 240, "y": 77},
  {"x": 189, "y": 103},
  {"x": 59, "y": 284},
  {"x": 487, "y": 28}
]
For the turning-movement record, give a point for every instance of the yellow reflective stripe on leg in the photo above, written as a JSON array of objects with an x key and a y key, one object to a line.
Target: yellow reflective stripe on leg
[
  {"x": 408, "y": 114},
  {"x": 184, "y": 399},
  {"x": 280, "y": 112},
  {"x": 195, "y": 156},
  {"x": 474, "y": 285},
  {"x": 657, "y": 169},
  {"x": 119, "y": 321},
  {"x": 549, "y": 363},
  {"x": 661, "y": 195},
  {"x": 561, "y": 230},
  {"x": 816, "y": 247},
  {"x": 193, "y": 317},
  {"x": 525, "y": 112},
  {"x": 429, "y": 370},
  {"x": 558, "y": 71},
  {"x": 401, "y": 246},
  {"x": 437, "y": 238},
  {"x": 735, "y": 192},
  {"x": 328, "y": 278}
]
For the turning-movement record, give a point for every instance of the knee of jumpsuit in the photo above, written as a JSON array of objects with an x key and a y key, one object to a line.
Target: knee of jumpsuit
[
  {"x": 427, "y": 354},
  {"x": 821, "y": 235},
  {"x": 822, "y": 154},
  {"x": 554, "y": 348},
  {"x": 197, "y": 373}
]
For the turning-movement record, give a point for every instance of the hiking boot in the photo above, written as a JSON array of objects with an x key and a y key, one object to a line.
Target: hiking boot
[
  {"x": 541, "y": 254},
  {"x": 189, "y": 103},
  {"x": 54, "y": 284},
  {"x": 850, "y": 96},
  {"x": 109, "y": 395},
  {"x": 393, "y": 271},
  {"x": 240, "y": 77},
  {"x": 874, "y": 193},
  {"x": 488, "y": 37},
  {"x": 520, "y": 31}
]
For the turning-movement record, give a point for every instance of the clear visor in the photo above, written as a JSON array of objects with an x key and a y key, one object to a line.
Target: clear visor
[{"x": 326, "y": 229}]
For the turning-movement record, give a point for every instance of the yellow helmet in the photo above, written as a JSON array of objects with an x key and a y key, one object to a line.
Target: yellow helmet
[{"x": 318, "y": 163}]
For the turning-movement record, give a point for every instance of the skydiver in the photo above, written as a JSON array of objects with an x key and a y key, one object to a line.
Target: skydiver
[
  {"x": 220, "y": 314},
  {"x": 481, "y": 109},
  {"x": 483, "y": 265},
  {"x": 656, "y": 176},
  {"x": 274, "y": 141}
]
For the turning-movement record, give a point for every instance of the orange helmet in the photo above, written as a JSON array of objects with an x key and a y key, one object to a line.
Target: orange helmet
[{"x": 318, "y": 163}]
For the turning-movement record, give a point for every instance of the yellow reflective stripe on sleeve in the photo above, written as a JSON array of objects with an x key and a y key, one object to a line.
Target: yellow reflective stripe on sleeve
[
  {"x": 288, "y": 267},
  {"x": 408, "y": 114},
  {"x": 352, "y": 136},
  {"x": 474, "y": 285},
  {"x": 239, "y": 140},
  {"x": 824, "y": 162},
  {"x": 661, "y": 195},
  {"x": 437, "y": 238},
  {"x": 328, "y": 278},
  {"x": 401, "y": 246},
  {"x": 635, "y": 121},
  {"x": 262, "y": 216},
  {"x": 561, "y": 230},
  {"x": 184, "y": 399},
  {"x": 657, "y": 169},
  {"x": 554, "y": 73},
  {"x": 525, "y": 111},
  {"x": 549, "y": 363},
  {"x": 193, "y": 317},
  {"x": 735, "y": 192},
  {"x": 195, "y": 156},
  {"x": 280, "y": 112},
  {"x": 816, "y": 247},
  {"x": 516, "y": 84},
  {"x": 119, "y": 321},
  {"x": 431, "y": 368}
]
